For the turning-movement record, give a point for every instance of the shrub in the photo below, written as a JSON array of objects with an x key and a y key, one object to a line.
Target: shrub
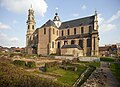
[
  {"x": 51, "y": 66},
  {"x": 31, "y": 64},
  {"x": 107, "y": 59},
  {"x": 19, "y": 62}
]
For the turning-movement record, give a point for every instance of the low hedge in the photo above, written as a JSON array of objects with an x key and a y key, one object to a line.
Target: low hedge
[
  {"x": 107, "y": 59},
  {"x": 29, "y": 64}
]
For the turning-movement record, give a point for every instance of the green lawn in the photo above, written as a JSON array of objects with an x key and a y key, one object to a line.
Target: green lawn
[
  {"x": 69, "y": 77},
  {"x": 115, "y": 68}
]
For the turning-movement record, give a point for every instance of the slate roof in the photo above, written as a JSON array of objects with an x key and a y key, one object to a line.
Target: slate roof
[
  {"x": 72, "y": 23},
  {"x": 72, "y": 46},
  {"x": 77, "y": 22},
  {"x": 49, "y": 23},
  {"x": 73, "y": 36}
]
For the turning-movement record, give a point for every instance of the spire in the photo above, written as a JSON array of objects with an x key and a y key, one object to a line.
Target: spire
[
  {"x": 95, "y": 12},
  {"x": 31, "y": 6}
]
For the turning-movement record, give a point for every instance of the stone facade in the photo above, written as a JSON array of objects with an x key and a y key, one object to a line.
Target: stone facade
[{"x": 77, "y": 37}]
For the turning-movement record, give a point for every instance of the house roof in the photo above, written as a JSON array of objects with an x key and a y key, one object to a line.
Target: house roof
[
  {"x": 105, "y": 48},
  {"x": 72, "y": 46},
  {"x": 72, "y": 23},
  {"x": 49, "y": 23},
  {"x": 73, "y": 36},
  {"x": 78, "y": 22}
]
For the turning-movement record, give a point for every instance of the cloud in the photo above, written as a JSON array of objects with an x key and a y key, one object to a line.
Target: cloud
[
  {"x": 114, "y": 17},
  {"x": 21, "y": 6},
  {"x": 83, "y": 7},
  {"x": 107, "y": 25},
  {"x": 4, "y": 26},
  {"x": 76, "y": 15},
  {"x": 8, "y": 41},
  {"x": 14, "y": 39}
]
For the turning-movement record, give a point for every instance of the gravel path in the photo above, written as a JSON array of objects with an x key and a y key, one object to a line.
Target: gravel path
[{"x": 111, "y": 80}]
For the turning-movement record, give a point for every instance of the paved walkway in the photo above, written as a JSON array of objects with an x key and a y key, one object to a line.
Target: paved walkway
[{"x": 111, "y": 80}]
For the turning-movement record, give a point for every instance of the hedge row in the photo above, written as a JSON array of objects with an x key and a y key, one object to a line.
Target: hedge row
[{"x": 30, "y": 64}]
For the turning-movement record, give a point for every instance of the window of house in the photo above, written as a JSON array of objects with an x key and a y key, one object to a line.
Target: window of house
[
  {"x": 81, "y": 43},
  {"x": 88, "y": 42},
  {"x": 53, "y": 31},
  {"x": 52, "y": 44},
  {"x": 82, "y": 30},
  {"x": 62, "y": 32},
  {"x": 68, "y": 32},
  {"x": 90, "y": 29},
  {"x": 32, "y": 26},
  {"x": 72, "y": 42},
  {"x": 74, "y": 30},
  {"x": 44, "y": 30}
]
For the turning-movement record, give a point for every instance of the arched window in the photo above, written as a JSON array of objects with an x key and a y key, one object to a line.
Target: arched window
[
  {"x": 68, "y": 32},
  {"x": 74, "y": 30},
  {"x": 81, "y": 43},
  {"x": 28, "y": 26},
  {"x": 72, "y": 42},
  {"x": 90, "y": 29},
  {"x": 53, "y": 31},
  {"x": 52, "y": 44},
  {"x": 62, "y": 32},
  {"x": 82, "y": 30},
  {"x": 32, "y": 26},
  {"x": 44, "y": 30}
]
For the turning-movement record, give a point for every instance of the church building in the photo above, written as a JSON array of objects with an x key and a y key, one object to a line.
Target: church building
[{"x": 77, "y": 37}]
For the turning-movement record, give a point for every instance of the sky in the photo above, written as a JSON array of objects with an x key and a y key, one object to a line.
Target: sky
[{"x": 13, "y": 17}]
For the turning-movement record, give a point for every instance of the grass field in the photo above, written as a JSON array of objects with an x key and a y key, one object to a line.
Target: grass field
[
  {"x": 115, "y": 68},
  {"x": 69, "y": 77}
]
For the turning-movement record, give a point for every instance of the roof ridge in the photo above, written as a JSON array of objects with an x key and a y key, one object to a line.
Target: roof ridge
[{"x": 78, "y": 18}]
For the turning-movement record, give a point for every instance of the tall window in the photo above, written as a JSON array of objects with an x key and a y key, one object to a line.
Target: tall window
[
  {"x": 88, "y": 42},
  {"x": 44, "y": 30},
  {"x": 28, "y": 26},
  {"x": 32, "y": 26},
  {"x": 81, "y": 43},
  {"x": 90, "y": 29},
  {"x": 72, "y": 42},
  {"x": 52, "y": 44},
  {"x": 68, "y": 32},
  {"x": 74, "y": 30},
  {"x": 62, "y": 32},
  {"x": 53, "y": 31},
  {"x": 82, "y": 30},
  {"x": 57, "y": 32}
]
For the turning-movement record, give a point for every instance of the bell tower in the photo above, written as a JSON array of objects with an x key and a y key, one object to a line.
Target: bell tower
[
  {"x": 56, "y": 19},
  {"x": 95, "y": 37},
  {"x": 30, "y": 26}
]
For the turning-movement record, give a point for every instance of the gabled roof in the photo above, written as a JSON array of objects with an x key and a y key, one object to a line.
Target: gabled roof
[
  {"x": 77, "y": 22},
  {"x": 72, "y": 46},
  {"x": 48, "y": 24}
]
